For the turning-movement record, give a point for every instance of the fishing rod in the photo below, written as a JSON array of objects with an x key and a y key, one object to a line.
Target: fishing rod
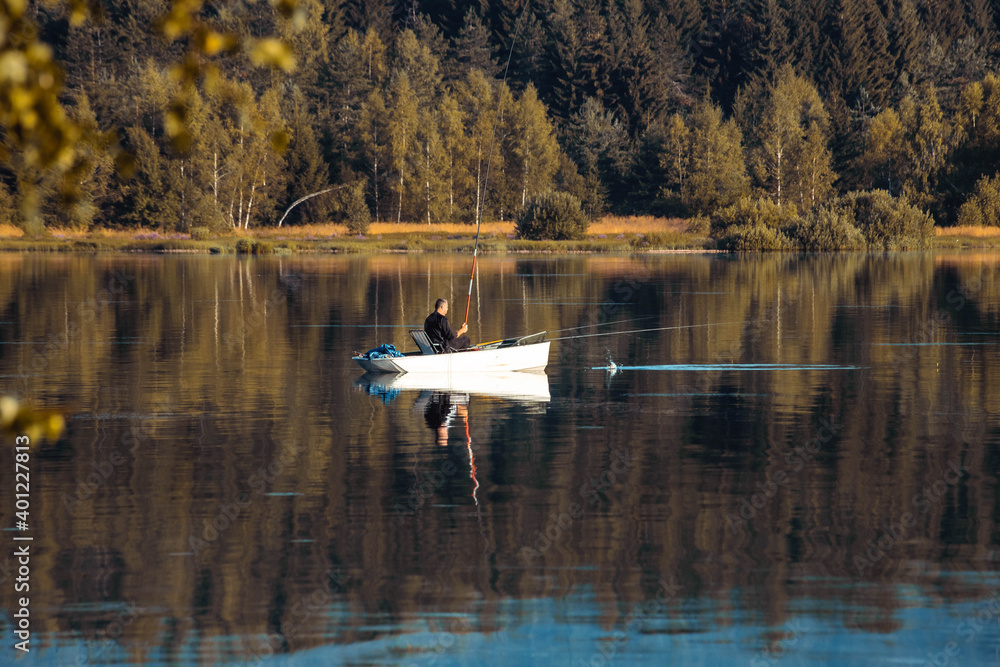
[
  {"x": 618, "y": 333},
  {"x": 489, "y": 160}
]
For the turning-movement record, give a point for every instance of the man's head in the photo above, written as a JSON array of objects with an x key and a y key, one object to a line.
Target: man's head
[{"x": 441, "y": 306}]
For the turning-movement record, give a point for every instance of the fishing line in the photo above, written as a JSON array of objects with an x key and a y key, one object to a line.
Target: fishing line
[
  {"x": 618, "y": 333},
  {"x": 489, "y": 160},
  {"x": 601, "y": 324}
]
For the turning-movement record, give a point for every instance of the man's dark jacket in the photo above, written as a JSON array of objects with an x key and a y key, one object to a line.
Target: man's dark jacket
[{"x": 438, "y": 330}]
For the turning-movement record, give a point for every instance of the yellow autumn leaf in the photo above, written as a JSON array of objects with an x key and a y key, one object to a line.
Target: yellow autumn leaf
[{"x": 273, "y": 52}]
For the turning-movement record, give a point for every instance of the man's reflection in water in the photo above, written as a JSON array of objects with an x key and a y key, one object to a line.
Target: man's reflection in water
[
  {"x": 441, "y": 410},
  {"x": 440, "y": 413}
]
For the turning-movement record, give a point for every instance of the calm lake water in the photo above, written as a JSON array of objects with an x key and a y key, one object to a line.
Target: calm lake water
[{"x": 798, "y": 466}]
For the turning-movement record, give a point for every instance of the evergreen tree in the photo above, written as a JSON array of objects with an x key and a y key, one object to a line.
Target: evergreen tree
[
  {"x": 883, "y": 157},
  {"x": 370, "y": 15},
  {"x": 686, "y": 15},
  {"x": 358, "y": 65},
  {"x": 646, "y": 175},
  {"x": 563, "y": 77},
  {"x": 307, "y": 170},
  {"x": 598, "y": 144},
  {"x": 806, "y": 22},
  {"x": 535, "y": 150},
  {"x": 146, "y": 198},
  {"x": 94, "y": 194},
  {"x": 944, "y": 20},
  {"x": 639, "y": 85},
  {"x": 8, "y": 206},
  {"x": 881, "y": 71},
  {"x": 982, "y": 24},
  {"x": 420, "y": 66},
  {"x": 472, "y": 49},
  {"x": 905, "y": 35},
  {"x": 309, "y": 36},
  {"x": 717, "y": 172},
  {"x": 721, "y": 50},
  {"x": 529, "y": 59},
  {"x": 769, "y": 43},
  {"x": 478, "y": 104}
]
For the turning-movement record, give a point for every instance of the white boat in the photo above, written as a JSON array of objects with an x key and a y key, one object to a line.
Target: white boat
[
  {"x": 516, "y": 385},
  {"x": 516, "y": 354}
]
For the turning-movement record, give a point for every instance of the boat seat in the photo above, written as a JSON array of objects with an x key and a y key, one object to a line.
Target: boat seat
[{"x": 423, "y": 341}]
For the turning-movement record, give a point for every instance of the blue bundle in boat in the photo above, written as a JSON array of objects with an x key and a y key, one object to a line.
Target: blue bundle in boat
[{"x": 384, "y": 350}]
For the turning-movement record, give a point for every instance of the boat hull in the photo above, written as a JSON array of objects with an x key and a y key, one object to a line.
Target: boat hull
[{"x": 517, "y": 358}]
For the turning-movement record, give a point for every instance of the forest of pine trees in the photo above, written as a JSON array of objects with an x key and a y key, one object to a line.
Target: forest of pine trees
[{"x": 664, "y": 107}]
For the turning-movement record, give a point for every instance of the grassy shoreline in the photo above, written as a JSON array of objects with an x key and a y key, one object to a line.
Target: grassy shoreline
[{"x": 612, "y": 235}]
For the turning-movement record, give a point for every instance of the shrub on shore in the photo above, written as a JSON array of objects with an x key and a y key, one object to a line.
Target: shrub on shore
[
  {"x": 887, "y": 222},
  {"x": 358, "y": 217},
  {"x": 754, "y": 225},
  {"x": 872, "y": 220},
  {"x": 554, "y": 216},
  {"x": 824, "y": 230}
]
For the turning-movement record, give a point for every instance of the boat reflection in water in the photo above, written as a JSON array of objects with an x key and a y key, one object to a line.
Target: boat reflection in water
[
  {"x": 444, "y": 399},
  {"x": 519, "y": 386}
]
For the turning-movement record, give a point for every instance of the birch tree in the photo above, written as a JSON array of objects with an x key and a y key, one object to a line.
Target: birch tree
[
  {"x": 374, "y": 139},
  {"x": 454, "y": 144},
  {"x": 402, "y": 128}
]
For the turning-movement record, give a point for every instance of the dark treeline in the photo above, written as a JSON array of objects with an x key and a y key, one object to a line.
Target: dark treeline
[{"x": 669, "y": 107}]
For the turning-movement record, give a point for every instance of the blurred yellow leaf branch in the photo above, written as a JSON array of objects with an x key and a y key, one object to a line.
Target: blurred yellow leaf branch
[
  {"x": 19, "y": 418},
  {"x": 38, "y": 135}
]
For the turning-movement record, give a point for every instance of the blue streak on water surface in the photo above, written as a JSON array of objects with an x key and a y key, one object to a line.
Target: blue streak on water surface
[
  {"x": 728, "y": 367},
  {"x": 699, "y": 394}
]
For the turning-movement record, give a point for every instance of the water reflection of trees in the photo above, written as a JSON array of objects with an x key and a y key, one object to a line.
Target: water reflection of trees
[{"x": 210, "y": 378}]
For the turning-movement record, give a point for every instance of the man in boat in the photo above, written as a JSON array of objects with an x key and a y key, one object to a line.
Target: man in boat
[{"x": 440, "y": 332}]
